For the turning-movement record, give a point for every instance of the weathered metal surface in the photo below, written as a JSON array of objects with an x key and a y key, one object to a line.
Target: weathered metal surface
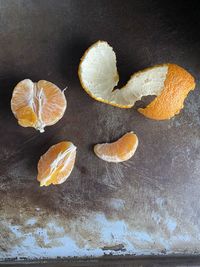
[{"x": 148, "y": 205}]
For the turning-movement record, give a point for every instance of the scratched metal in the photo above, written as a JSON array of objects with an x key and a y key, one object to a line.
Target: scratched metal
[{"x": 147, "y": 205}]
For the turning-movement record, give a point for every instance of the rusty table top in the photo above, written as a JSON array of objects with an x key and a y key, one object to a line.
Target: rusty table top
[{"x": 147, "y": 205}]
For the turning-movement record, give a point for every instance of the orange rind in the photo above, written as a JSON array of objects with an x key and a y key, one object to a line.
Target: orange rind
[
  {"x": 170, "y": 101},
  {"x": 169, "y": 82}
]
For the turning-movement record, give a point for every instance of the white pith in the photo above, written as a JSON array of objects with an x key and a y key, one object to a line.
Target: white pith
[
  {"x": 36, "y": 101},
  {"x": 99, "y": 76}
]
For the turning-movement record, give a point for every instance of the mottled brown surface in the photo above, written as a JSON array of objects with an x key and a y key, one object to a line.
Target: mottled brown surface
[
  {"x": 45, "y": 40},
  {"x": 110, "y": 261}
]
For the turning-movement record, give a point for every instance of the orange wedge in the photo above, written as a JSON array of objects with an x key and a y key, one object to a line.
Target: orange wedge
[
  {"x": 170, "y": 83},
  {"x": 55, "y": 166},
  {"x": 118, "y": 151},
  {"x": 37, "y": 104}
]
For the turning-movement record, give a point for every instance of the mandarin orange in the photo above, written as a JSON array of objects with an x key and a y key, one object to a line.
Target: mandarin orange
[
  {"x": 55, "y": 166},
  {"x": 37, "y": 104},
  {"x": 118, "y": 151}
]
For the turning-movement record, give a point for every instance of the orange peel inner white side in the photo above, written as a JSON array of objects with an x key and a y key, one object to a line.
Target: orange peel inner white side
[{"x": 98, "y": 76}]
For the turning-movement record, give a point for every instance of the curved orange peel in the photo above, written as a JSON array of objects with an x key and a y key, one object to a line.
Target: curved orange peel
[{"x": 169, "y": 82}]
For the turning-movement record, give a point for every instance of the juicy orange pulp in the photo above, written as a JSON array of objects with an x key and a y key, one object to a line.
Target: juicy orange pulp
[
  {"x": 118, "y": 151},
  {"x": 55, "y": 166},
  {"x": 37, "y": 104}
]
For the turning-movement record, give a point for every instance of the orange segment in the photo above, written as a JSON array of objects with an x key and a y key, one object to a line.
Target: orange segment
[
  {"x": 53, "y": 104},
  {"x": 37, "y": 104},
  {"x": 55, "y": 166},
  {"x": 177, "y": 85},
  {"x": 27, "y": 117},
  {"x": 118, "y": 151}
]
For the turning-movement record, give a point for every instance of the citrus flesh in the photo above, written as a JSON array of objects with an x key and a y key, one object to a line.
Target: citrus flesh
[
  {"x": 121, "y": 150},
  {"x": 55, "y": 166},
  {"x": 38, "y": 104}
]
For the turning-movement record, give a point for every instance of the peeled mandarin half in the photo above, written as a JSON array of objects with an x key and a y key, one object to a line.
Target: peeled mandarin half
[
  {"x": 55, "y": 166},
  {"x": 37, "y": 104},
  {"x": 121, "y": 150},
  {"x": 169, "y": 82}
]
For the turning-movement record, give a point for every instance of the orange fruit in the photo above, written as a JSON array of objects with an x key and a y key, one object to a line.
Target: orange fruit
[
  {"x": 177, "y": 85},
  {"x": 170, "y": 83},
  {"x": 118, "y": 151},
  {"x": 37, "y": 104},
  {"x": 55, "y": 166}
]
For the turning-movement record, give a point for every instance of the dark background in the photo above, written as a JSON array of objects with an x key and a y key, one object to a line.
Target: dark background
[{"x": 45, "y": 40}]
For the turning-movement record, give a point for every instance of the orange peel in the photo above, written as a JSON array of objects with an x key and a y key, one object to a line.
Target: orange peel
[
  {"x": 177, "y": 85},
  {"x": 169, "y": 82}
]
